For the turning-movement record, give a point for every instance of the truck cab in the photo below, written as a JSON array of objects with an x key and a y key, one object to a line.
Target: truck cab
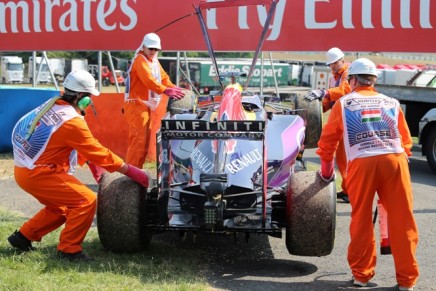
[
  {"x": 427, "y": 137},
  {"x": 11, "y": 69},
  {"x": 44, "y": 76}
]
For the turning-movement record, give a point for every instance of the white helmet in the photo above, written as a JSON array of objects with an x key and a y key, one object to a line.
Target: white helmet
[
  {"x": 81, "y": 81},
  {"x": 334, "y": 54},
  {"x": 151, "y": 40},
  {"x": 362, "y": 66}
]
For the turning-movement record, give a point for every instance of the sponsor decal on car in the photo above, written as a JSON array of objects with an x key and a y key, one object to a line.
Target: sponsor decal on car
[{"x": 238, "y": 163}]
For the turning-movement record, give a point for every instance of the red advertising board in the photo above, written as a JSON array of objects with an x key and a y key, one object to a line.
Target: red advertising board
[{"x": 298, "y": 25}]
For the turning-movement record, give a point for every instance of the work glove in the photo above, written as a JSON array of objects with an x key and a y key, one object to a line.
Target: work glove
[
  {"x": 327, "y": 172},
  {"x": 97, "y": 171},
  {"x": 174, "y": 93},
  {"x": 315, "y": 94},
  {"x": 138, "y": 175}
]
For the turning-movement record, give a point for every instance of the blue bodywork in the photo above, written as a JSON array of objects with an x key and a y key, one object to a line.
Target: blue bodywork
[{"x": 223, "y": 179}]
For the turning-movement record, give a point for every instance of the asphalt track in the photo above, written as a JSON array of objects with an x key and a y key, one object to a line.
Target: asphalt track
[{"x": 263, "y": 262}]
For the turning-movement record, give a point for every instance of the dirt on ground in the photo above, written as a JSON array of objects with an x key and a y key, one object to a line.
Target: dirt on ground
[{"x": 6, "y": 165}]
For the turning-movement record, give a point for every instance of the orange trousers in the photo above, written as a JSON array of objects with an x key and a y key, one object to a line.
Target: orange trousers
[
  {"x": 143, "y": 125},
  {"x": 67, "y": 201},
  {"x": 389, "y": 176},
  {"x": 341, "y": 162}
]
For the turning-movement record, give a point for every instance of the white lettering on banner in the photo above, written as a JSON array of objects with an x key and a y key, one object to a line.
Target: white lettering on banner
[
  {"x": 130, "y": 13},
  {"x": 262, "y": 12},
  {"x": 201, "y": 160},
  {"x": 102, "y": 14},
  {"x": 36, "y": 24},
  {"x": 367, "y": 15},
  {"x": 246, "y": 160},
  {"x": 68, "y": 21}
]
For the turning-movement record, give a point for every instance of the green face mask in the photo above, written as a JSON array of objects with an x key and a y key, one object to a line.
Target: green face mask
[{"x": 84, "y": 102}]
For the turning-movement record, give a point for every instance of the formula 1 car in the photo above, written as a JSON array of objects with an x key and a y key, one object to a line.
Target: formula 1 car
[{"x": 228, "y": 162}]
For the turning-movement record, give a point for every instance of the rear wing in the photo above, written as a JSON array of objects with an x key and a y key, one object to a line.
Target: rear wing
[{"x": 201, "y": 129}]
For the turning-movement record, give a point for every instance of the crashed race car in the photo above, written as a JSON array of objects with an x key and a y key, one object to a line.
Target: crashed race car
[{"x": 229, "y": 162}]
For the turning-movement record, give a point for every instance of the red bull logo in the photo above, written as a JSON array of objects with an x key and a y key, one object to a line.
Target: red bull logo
[{"x": 230, "y": 109}]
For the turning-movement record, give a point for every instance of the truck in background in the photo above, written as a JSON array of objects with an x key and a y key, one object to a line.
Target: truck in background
[
  {"x": 62, "y": 67},
  {"x": 12, "y": 69},
  {"x": 417, "y": 96},
  {"x": 44, "y": 76},
  {"x": 75, "y": 64},
  {"x": 58, "y": 67},
  {"x": 202, "y": 74}
]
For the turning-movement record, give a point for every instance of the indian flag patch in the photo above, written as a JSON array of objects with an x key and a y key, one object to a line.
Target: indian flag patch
[{"x": 371, "y": 115}]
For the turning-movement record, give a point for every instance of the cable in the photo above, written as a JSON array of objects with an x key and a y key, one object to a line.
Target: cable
[{"x": 174, "y": 21}]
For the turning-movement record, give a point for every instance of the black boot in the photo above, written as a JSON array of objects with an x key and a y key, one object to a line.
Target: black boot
[
  {"x": 343, "y": 196},
  {"x": 19, "y": 241}
]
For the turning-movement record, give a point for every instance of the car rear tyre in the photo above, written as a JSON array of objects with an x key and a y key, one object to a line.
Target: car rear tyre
[
  {"x": 313, "y": 119},
  {"x": 121, "y": 214},
  {"x": 184, "y": 105},
  {"x": 310, "y": 215}
]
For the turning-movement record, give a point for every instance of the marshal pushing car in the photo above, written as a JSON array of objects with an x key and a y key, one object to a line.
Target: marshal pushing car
[{"x": 229, "y": 162}]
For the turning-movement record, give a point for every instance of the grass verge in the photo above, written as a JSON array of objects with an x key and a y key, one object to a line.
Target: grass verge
[{"x": 162, "y": 267}]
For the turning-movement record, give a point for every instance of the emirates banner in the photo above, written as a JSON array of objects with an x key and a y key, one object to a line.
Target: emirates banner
[{"x": 297, "y": 25}]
